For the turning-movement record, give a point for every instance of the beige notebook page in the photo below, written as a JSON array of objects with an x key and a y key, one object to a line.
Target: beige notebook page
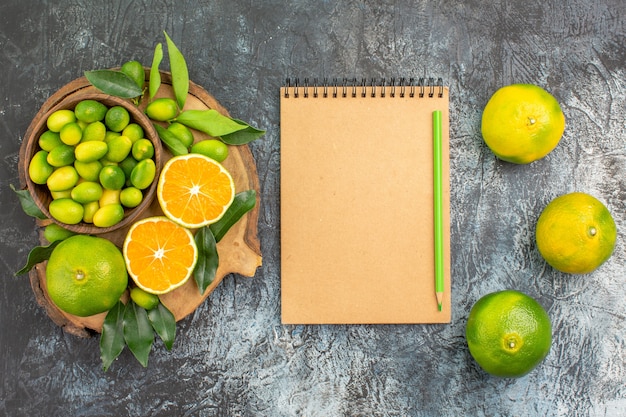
[{"x": 357, "y": 209}]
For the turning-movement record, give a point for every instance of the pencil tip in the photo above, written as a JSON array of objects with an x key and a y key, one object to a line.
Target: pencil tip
[{"x": 439, "y": 300}]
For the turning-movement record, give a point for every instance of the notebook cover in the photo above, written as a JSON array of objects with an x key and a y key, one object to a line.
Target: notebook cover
[{"x": 357, "y": 209}]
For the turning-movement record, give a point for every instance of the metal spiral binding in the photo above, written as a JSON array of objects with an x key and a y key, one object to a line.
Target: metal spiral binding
[{"x": 413, "y": 87}]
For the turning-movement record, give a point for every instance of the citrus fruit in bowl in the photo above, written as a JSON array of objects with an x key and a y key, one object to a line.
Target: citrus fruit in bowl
[
  {"x": 77, "y": 158},
  {"x": 508, "y": 333},
  {"x": 522, "y": 123},
  {"x": 576, "y": 233}
]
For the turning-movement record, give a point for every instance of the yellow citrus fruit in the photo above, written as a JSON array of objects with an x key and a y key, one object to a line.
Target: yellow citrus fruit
[
  {"x": 160, "y": 255},
  {"x": 60, "y": 118},
  {"x": 71, "y": 134},
  {"x": 86, "y": 275},
  {"x": 162, "y": 109},
  {"x": 66, "y": 210},
  {"x": 39, "y": 170},
  {"x": 62, "y": 179},
  {"x": 194, "y": 190},
  {"x": 576, "y": 233},
  {"x": 522, "y": 123},
  {"x": 89, "y": 210},
  {"x": 108, "y": 215},
  {"x": 508, "y": 333},
  {"x": 90, "y": 151}
]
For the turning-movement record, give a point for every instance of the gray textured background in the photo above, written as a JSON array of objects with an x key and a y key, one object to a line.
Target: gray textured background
[{"x": 233, "y": 357}]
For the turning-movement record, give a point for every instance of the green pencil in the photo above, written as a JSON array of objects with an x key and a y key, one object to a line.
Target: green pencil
[{"x": 438, "y": 208}]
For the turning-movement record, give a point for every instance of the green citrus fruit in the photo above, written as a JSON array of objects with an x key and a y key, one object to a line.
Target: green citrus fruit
[
  {"x": 49, "y": 140},
  {"x": 116, "y": 118},
  {"x": 110, "y": 135},
  {"x": 144, "y": 299},
  {"x": 60, "y": 118},
  {"x": 142, "y": 149},
  {"x": 213, "y": 148},
  {"x": 39, "y": 170},
  {"x": 112, "y": 177},
  {"x": 119, "y": 148},
  {"x": 90, "y": 111},
  {"x": 135, "y": 71},
  {"x": 131, "y": 197},
  {"x": 522, "y": 123},
  {"x": 66, "y": 210},
  {"x": 53, "y": 232},
  {"x": 61, "y": 155},
  {"x": 508, "y": 333},
  {"x": 127, "y": 166},
  {"x": 143, "y": 174},
  {"x": 133, "y": 131},
  {"x": 162, "y": 109},
  {"x": 86, "y": 275},
  {"x": 89, "y": 171},
  {"x": 95, "y": 131},
  {"x": 576, "y": 233},
  {"x": 86, "y": 192},
  {"x": 182, "y": 132}
]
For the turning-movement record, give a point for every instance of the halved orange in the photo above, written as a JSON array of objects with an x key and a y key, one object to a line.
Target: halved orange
[
  {"x": 160, "y": 254},
  {"x": 194, "y": 190}
]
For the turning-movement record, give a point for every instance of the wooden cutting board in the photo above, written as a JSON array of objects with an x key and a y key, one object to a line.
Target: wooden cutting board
[{"x": 239, "y": 250}]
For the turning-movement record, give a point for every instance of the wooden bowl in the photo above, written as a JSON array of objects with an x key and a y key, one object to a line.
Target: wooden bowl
[{"x": 40, "y": 193}]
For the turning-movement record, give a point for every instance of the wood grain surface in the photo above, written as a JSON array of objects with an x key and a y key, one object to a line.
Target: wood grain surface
[
  {"x": 239, "y": 251},
  {"x": 232, "y": 357}
]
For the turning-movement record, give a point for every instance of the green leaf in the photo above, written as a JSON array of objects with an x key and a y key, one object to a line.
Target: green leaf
[
  {"x": 112, "y": 337},
  {"x": 28, "y": 204},
  {"x": 164, "y": 324},
  {"x": 155, "y": 75},
  {"x": 115, "y": 83},
  {"x": 208, "y": 259},
  {"x": 170, "y": 140},
  {"x": 244, "y": 136},
  {"x": 210, "y": 122},
  {"x": 36, "y": 255},
  {"x": 138, "y": 332},
  {"x": 243, "y": 203},
  {"x": 180, "y": 74}
]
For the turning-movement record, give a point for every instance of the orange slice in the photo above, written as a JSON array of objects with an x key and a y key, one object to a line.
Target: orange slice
[
  {"x": 194, "y": 190},
  {"x": 160, "y": 255}
]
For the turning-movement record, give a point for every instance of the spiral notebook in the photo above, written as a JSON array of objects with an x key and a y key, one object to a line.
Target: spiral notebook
[{"x": 357, "y": 202}]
